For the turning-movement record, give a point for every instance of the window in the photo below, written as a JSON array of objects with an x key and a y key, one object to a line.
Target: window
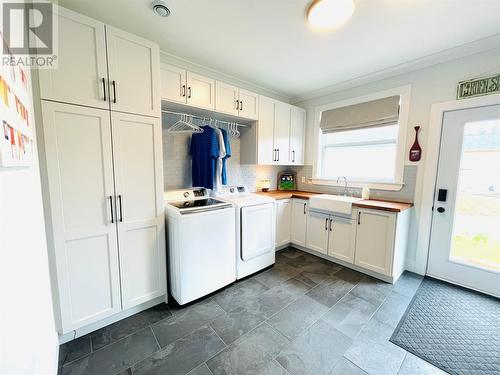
[
  {"x": 367, "y": 154},
  {"x": 363, "y": 139}
]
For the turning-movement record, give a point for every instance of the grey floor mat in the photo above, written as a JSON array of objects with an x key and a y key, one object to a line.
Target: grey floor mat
[{"x": 455, "y": 329}]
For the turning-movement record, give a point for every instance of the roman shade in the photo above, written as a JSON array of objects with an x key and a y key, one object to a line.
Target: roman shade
[{"x": 375, "y": 113}]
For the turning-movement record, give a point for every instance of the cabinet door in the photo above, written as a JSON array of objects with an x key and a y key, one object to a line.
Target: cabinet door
[
  {"x": 265, "y": 133},
  {"x": 297, "y": 135},
  {"x": 282, "y": 133},
  {"x": 283, "y": 216},
  {"x": 173, "y": 84},
  {"x": 317, "y": 232},
  {"x": 81, "y": 76},
  {"x": 375, "y": 240},
  {"x": 200, "y": 91},
  {"x": 134, "y": 73},
  {"x": 249, "y": 104},
  {"x": 342, "y": 239},
  {"x": 80, "y": 186},
  {"x": 299, "y": 222},
  {"x": 137, "y": 151},
  {"x": 226, "y": 98}
]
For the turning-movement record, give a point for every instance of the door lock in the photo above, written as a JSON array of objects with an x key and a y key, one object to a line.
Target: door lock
[{"x": 441, "y": 210}]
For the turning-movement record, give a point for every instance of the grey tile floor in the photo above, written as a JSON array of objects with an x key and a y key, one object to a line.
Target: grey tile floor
[{"x": 304, "y": 315}]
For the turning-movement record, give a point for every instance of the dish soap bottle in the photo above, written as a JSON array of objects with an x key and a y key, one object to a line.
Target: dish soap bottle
[{"x": 365, "y": 193}]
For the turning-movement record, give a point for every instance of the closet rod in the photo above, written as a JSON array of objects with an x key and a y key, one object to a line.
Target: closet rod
[{"x": 203, "y": 118}]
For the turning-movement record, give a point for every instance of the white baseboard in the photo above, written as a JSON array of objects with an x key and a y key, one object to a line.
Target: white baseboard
[{"x": 112, "y": 319}]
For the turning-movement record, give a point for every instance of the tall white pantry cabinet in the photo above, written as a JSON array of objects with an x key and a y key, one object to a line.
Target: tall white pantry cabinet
[{"x": 103, "y": 171}]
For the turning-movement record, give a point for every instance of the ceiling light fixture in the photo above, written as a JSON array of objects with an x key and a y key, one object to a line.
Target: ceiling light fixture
[
  {"x": 328, "y": 14},
  {"x": 160, "y": 8}
]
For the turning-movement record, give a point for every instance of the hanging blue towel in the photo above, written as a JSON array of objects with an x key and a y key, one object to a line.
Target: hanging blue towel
[
  {"x": 227, "y": 145},
  {"x": 204, "y": 152}
]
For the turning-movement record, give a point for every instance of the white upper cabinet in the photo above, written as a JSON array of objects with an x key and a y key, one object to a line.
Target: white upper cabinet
[
  {"x": 282, "y": 133},
  {"x": 263, "y": 142},
  {"x": 249, "y": 104},
  {"x": 200, "y": 91},
  {"x": 88, "y": 51},
  {"x": 297, "y": 135},
  {"x": 137, "y": 153},
  {"x": 81, "y": 76},
  {"x": 173, "y": 83},
  {"x": 227, "y": 98},
  {"x": 134, "y": 73}
]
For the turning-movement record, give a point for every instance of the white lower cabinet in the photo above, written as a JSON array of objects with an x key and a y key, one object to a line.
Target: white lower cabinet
[
  {"x": 375, "y": 236},
  {"x": 283, "y": 221},
  {"x": 299, "y": 222},
  {"x": 342, "y": 239},
  {"x": 317, "y": 231},
  {"x": 103, "y": 176}
]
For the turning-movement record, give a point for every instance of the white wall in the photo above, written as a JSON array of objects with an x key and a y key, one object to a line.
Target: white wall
[
  {"x": 28, "y": 339},
  {"x": 428, "y": 86}
]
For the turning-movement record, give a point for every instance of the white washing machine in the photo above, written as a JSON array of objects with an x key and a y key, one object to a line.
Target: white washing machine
[
  {"x": 255, "y": 228},
  {"x": 201, "y": 240}
]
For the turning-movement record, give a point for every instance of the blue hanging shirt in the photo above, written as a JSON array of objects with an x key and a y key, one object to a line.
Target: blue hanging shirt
[
  {"x": 204, "y": 152},
  {"x": 227, "y": 145}
]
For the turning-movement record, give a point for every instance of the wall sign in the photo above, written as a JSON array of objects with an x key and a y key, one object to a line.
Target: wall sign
[{"x": 478, "y": 87}]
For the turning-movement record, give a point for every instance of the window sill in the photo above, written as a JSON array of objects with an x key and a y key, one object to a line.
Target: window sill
[{"x": 389, "y": 186}]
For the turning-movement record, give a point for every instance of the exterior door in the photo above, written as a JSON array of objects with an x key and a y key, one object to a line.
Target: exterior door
[
  {"x": 317, "y": 232},
  {"x": 81, "y": 76},
  {"x": 137, "y": 153},
  {"x": 134, "y": 73},
  {"x": 465, "y": 236},
  {"x": 80, "y": 174}
]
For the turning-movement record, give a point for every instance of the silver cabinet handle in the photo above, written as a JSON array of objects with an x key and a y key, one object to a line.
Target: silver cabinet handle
[
  {"x": 104, "y": 89},
  {"x": 278, "y": 159},
  {"x": 293, "y": 156},
  {"x": 121, "y": 211},
  {"x": 111, "y": 206}
]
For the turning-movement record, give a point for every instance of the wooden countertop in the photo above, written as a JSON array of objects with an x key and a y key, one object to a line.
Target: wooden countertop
[{"x": 365, "y": 203}]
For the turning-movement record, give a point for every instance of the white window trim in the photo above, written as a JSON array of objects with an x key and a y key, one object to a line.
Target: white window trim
[{"x": 398, "y": 183}]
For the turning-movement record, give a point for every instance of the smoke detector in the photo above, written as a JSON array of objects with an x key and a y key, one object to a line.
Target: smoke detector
[{"x": 160, "y": 8}]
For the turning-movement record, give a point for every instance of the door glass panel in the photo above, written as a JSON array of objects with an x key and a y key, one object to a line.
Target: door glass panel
[{"x": 476, "y": 226}]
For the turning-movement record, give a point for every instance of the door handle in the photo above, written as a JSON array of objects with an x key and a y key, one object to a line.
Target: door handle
[
  {"x": 183, "y": 91},
  {"x": 237, "y": 104},
  {"x": 305, "y": 204},
  {"x": 326, "y": 224},
  {"x": 113, "y": 83},
  {"x": 331, "y": 224},
  {"x": 441, "y": 210},
  {"x": 359, "y": 217},
  {"x": 189, "y": 92},
  {"x": 104, "y": 88},
  {"x": 241, "y": 105},
  {"x": 121, "y": 211},
  {"x": 111, "y": 206}
]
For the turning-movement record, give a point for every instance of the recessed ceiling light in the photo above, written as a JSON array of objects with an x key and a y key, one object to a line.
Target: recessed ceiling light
[
  {"x": 328, "y": 14},
  {"x": 160, "y": 8}
]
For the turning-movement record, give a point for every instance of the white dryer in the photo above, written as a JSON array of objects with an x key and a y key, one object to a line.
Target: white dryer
[{"x": 255, "y": 229}]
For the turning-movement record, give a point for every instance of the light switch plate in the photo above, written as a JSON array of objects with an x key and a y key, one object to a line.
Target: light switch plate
[{"x": 303, "y": 179}]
